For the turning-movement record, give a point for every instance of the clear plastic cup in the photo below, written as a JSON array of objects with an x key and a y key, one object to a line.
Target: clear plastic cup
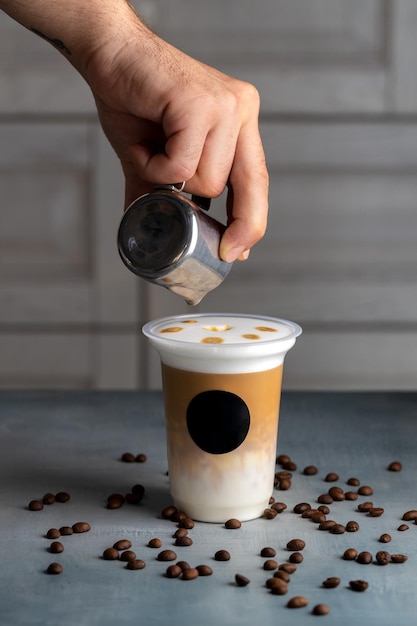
[{"x": 221, "y": 377}]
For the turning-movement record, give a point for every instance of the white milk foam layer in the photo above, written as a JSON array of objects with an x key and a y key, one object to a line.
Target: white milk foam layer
[{"x": 222, "y": 342}]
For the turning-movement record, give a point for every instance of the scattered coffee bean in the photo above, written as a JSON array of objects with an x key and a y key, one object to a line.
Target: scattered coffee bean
[
  {"x": 385, "y": 538},
  {"x": 353, "y": 482},
  {"x": 127, "y": 555},
  {"x": 190, "y": 573},
  {"x": 167, "y": 555},
  {"x": 284, "y": 484},
  {"x": 222, "y": 555},
  {"x": 331, "y": 477},
  {"x": 350, "y": 554},
  {"x": 296, "y": 557},
  {"x": 352, "y": 527},
  {"x": 141, "y": 458},
  {"x": 81, "y": 527},
  {"x": 270, "y": 564},
  {"x": 301, "y": 507},
  {"x": 133, "y": 498},
  {"x": 122, "y": 544},
  {"x": 398, "y": 558},
  {"x": 364, "y": 558},
  {"x": 308, "y": 513},
  {"x": 297, "y": 602},
  {"x": 183, "y": 564},
  {"x": 310, "y": 470},
  {"x": 364, "y": 507},
  {"x": 327, "y": 524},
  {"x": 115, "y": 501},
  {"x": 290, "y": 568},
  {"x": 173, "y": 571},
  {"x": 277, "y": 586},
  {"x": 337, "y": 494},
  {"x": 351, "y": 495},
  {"x": 324, "y": 509},
  {"x": 183, "y": 541},
  {"x": 138, "y": 489},
  {"x": 233, "y": 524},
  {"x": 283, "y": 575},
  {"x": 270, "y": 513},
  {"x": 395, "y": 466},
  {"x": 204, "y": 570},
  {"x": 135, "y": 564},
  {"x": 54, "y": 568},
  {"x": 110, "y": 554},
  {"x": 318, "y": 517},
  {"x": 331, "y": 583},
  {"x": 383, "y": 557},
  {"x": 186, "y": 522},
  {"x": 282, "y": 458},
  {"x": 365, "y": 490},
  {"x": 168, "y": 512},
  {"x": 283, "y": 474},
  {"x": 128, "y": 457},
  {"x": 321, "y": 609},
  {"x": 56, "y": 547},
  {"x": 48, "y": 498},
  {"x": 325, "y": 498},
  {"x": 410, "y": 516},
  {"x": 181, "y": 532},
  {"x": 290, "y": 466},
  {"x": 271, "y": 500},
  {"x": 358, "y": 585},
  {"x": 53, "y": 533},
  {"x": 66, "y": 530},
  {"x": 279, "y": 507},
  {"x": 268, "y": 552},
  {"x": 241, "y": 580},
  {"x": 337, "y": 529},
  {"x": 35, "y": 505},
  {"x": 403, "y": 527},
  {"x": 296, "y": 545},
  {"x": 154, "y": 543},
  {"x": 376, "y": 511},
  {"x": 62, "y": 497}
]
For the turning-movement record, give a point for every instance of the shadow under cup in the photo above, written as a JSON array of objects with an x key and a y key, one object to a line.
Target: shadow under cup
[{"x": 221, "y": 376}]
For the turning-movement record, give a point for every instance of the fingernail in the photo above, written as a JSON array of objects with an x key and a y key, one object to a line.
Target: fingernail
[{"x": 232, "y": 254}]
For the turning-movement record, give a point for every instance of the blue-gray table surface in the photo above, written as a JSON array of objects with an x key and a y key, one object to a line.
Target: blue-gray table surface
[{"x": 73, "y": 441}]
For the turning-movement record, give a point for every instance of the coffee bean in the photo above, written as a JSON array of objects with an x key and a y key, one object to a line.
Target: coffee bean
[
  {"x": 115, "y": 501},
  {"x": 66, "y": 530},
  {"x": 383, "y": 557},
  {"x": 358, "y": 585},
  {"x": 337, "y": 494},
  {"x": 277, "y": 586},
  {"x": 352, "y": 527},
  {"x": 398, "y": 558},
  {"x": 81, "y": 527},
  {"x": 395, "y": 466},
  {"x": 268, "y": 552},
  {"x": 279, "y": 507},
  {"x": 141, "y": 458},
  {"x": 410, "y": 516},
  {"x": 325, "y": 498},
  {"x": 133, "y": 498},
  {"x": 270, "y": 513},
  {"x": 376, "y": 511},
  {"x": 138, "y": 490},
  {"x": 180, "y": 532},
  {"x": 173, "y": 571},
  {"x": 327, "y": 524},
  {"x": 53, "y": 533},
  {"x": 385, "y": 538},
  {"x": 331, "y": 477},
  {"x": 290, "y": 466},
  {"x": 301, "y": 507},
  {"x": 284, "y": 484},
  {"x": 110, "y": 554},
  {"x": 186, "y": 522},
  {"x": 271, "y": 500},
  {"x": 350, "y": 554},
  {"x": 324, "y": 509},
  {"x": 283, "y": 575},
  {"x": 35, "y": 505},
  {"x": 233, "y": 524},
  {"x": 154, "y": 543},
  {"x": 48, "y": 498},
  {"x": 283, "y": 474},
  {"x": 183, "y": 565},
  {"x": 127, "y": 555},
  {"x": 296, "y": 557},
  {"x": 296, "y": 545},
  {"x": 297, "y": 602},
  {"x": 167, "y": 555},
  {"x": 128, "y": 457},
  {"x": 364, "y": 558},
  {"x": 318, "y": 517},
  {"x": 54, "y": 568},
  {"x": 62, "y": 497},
  {"x": 135, "y": 564},
  {"x": 222, "y": 555},
  {"x": 364, "y": 507},
  {"x": 308, "y": 513},
  {"x": 204, "y": 570},
  {"x": 353, "y": 482},
  {"x": 241, "y": 580},
  {"x": 351, "y": 495},
  {"x": 122, "y": 544},
  {"x": 403, "y": 527},
  {"x": 337, "y": 529},
  {"x": 183, "y": 541},
  {"x": 365, "y": 490},
  {"x": 290, "y": 568},
  {"x": 331, "y": 583},
  {"x": 310, "y": 470},
  {"x": 321, "y": 609},
  {"x": 270, "y": 564},
  {"x": 56, "y": 547},
  {"x": 190, "y": 573},
  {"x": 179, "y": 516},
  {"x": 282, "y": 458},
  {"x": 168, "y": 512}
]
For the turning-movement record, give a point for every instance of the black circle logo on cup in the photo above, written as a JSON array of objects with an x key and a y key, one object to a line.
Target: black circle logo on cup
[{"x": 218, "y": 421}]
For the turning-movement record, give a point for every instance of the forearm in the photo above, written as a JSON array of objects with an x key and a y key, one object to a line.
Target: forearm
[{"x": 78, "y": 28}]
